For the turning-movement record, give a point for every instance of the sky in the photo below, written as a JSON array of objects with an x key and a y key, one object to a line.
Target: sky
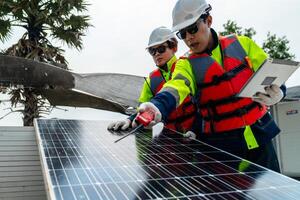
[{"x": 116, "y": 42}]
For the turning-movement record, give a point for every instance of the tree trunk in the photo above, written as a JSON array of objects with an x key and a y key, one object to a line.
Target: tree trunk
[{"x": 31, "y": 109}]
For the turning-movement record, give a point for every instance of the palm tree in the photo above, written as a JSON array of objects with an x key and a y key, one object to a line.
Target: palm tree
[{"x": 42, "y": 20}]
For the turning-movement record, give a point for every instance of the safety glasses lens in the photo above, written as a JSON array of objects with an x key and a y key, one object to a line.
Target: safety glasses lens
[
  {"x": 192, "y": 29},
  {"x": 181, "y": 34},
  {"x": 161, "y": 49}
]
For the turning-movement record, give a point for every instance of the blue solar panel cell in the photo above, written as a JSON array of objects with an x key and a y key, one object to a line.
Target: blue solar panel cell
[{"x": 81, "y": 161}]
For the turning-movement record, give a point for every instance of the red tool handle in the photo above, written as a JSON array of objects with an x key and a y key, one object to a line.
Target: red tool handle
[{"x": 145, "y": 118}]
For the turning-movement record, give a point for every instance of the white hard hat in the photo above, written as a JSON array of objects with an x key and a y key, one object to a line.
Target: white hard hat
[
  {"x": 186, "y": 12},
  {"x": 159, "y": 36}
]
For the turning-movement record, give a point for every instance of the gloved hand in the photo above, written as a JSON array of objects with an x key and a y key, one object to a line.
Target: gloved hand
[
  {"x": 148, "y": 106},
  {"x": 157, "y": 129},
  {"x": 273, "y": 95},
  {"x": 190, "y": 135},
  {"x": 119, "y": 125}
]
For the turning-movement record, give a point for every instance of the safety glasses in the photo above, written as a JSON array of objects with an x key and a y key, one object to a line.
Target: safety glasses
[
  {"x": 192, "y": 29},
  {"x": 160, "y": 49}
]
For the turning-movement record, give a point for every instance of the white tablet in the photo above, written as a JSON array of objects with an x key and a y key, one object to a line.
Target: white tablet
[{"x": 272, "y": 71}]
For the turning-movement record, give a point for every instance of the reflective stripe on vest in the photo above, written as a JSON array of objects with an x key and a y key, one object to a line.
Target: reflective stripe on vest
[
  {"x": 183, "y": 117},
  {"x": 217, "y": 87}
]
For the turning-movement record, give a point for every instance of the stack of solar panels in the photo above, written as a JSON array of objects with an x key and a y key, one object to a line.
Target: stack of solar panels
[{"x": 81, "y": 161}]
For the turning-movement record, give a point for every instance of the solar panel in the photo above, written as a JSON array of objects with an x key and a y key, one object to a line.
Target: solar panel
[{"x": 81, "y": 161}]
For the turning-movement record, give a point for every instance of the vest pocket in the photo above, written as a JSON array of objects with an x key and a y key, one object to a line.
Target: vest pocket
[{"x": 265, "y": 129}]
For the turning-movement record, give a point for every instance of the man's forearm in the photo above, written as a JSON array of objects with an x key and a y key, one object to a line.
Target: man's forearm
[{"x": 165, "y": 102}]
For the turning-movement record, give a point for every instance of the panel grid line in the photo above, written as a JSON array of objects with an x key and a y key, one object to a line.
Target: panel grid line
[
  {"x": 84, "y": 170},
  {"x": 111, "y": 178},
  {"x": 85, "y": 163}
]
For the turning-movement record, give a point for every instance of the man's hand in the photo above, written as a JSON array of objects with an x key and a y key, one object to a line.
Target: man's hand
[
  {"x": 149, "y": 107},
  {"x": 273, "y": 95},
  {"x": 119, "y": 125}
]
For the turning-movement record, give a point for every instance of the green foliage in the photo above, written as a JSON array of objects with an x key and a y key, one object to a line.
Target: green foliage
[
  {"x": 249, "y": 32},
  {"x": 277, "y": 47},
  {"x": 42, "y": 20},
  {"x": 5, "y": 30},
  {"x": 274, "y": 46},
  {"x": 231, "y": 27}
]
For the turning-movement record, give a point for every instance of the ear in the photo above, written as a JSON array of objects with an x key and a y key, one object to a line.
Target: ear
[
  {"x": 209, "y": 21},
  {"x": 175, "y": 49}
]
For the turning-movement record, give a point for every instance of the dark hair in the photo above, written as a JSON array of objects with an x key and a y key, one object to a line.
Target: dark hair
[
  {"x": 172, "y": 43},
  {"x": 206, "y": 14}
]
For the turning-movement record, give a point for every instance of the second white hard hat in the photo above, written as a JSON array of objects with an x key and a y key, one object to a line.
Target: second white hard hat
[
  {"x": 186, "y": 12},
  {"x": 159, "y": 36}
]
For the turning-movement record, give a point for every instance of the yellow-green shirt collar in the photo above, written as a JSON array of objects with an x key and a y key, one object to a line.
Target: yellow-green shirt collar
[{"x": 170, "y": 63}]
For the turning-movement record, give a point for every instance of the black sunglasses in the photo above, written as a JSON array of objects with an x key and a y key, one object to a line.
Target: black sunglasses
[
  {"x": 192, "y": 29},
  {"x": 160, "y": 49}
]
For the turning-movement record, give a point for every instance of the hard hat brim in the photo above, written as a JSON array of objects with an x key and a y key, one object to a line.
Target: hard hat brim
[
  {"x": 156, "y": 43},
  {"x": 185, "y": 24}
]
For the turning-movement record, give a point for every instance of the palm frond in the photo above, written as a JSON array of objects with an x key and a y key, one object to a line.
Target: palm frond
[
  {"x": 69, "y": 36},
  {"x": 78, "y": 22},
  {"x": 5, "y": 30},
  {"x": 59, "y": 19}
]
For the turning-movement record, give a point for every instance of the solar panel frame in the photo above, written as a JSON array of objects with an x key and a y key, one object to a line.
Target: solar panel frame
[{"x": 55, "y": 149}]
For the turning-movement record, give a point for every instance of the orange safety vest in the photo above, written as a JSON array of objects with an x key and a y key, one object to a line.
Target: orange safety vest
[
  {"x": 183, "y": 117},
  {"x": 218, "y": 85}
]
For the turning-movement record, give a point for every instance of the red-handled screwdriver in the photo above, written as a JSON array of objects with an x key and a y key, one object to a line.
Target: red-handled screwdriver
[{"x": 143, "y": 119}]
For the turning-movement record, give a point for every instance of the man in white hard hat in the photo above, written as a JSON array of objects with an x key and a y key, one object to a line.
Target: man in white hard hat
[
  {"x": 162, "y": 46},
  {"x": 214, "y": 71}
]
